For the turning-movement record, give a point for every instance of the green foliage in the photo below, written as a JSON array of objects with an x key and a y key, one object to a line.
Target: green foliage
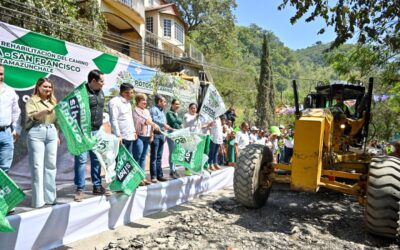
[
  {"x": 67, "y": 20},
  {"x": 374, "y": 22},
  {"x": 265, "y": 106},
  {"x": 362, "y": 62},
  {"x": 211, "y": 23}
]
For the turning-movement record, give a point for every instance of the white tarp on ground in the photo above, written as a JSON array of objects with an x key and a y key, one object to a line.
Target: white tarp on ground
[{"x": 62, "y": 224}]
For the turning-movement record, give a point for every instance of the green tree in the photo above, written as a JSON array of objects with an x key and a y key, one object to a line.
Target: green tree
[
  {"x": 67, "y": 20},
  {"x": 374, "y": 21},
  {"x": 265, "y": 90},
  {"x": 211, "y": 23},
  {"x": 281, "y": 87}
]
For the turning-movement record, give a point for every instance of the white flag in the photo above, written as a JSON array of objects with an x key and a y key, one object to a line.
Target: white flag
[{"x": 213, "y": 106}]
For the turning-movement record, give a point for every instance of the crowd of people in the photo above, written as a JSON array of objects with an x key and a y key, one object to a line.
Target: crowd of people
[
  {"x": 137, "y": 128},
  {"x": 280, "y": 140},
  {"x": 384, "y": 148}
]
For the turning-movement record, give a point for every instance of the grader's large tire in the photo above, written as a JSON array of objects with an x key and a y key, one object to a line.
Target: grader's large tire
[
  {"x": 248, "y": 176},
  {"x": 383, "y": 196}
]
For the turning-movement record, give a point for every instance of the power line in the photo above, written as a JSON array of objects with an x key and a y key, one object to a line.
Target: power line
[{"x": 148, "y": 50}]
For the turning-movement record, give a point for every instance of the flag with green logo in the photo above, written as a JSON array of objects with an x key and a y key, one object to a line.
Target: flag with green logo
[
  {"x": 189, "y": 149},
  {"x": 213, "y": 105},
  {"x": 128, "y": 173},
  {"x": 106, "y": 150},
  {"x": 10, "y": 196},
  {"x": 73, "y": 116}
]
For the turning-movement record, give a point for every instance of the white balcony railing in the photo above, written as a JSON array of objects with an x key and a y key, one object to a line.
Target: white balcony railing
[
  {"x": 136, "y": 5},
  {"x": 188, "y": 51}
]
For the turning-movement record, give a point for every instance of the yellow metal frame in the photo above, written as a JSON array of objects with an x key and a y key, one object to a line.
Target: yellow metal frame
[{"x": 318, "y": 160}]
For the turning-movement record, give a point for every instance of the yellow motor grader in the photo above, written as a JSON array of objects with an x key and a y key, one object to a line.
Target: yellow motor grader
[{"x": 330, "y": 152}]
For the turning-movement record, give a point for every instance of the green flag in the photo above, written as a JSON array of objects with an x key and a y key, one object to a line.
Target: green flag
[
  {"x": 73, "y": 115},
  {"x": 193, "y": 159},
  {"x": 128, "y": 173},
  {"x": 10, "y": 196}
]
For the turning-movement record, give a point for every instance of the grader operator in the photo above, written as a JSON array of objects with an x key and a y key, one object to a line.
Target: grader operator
[{"x": 330, "y": 152}]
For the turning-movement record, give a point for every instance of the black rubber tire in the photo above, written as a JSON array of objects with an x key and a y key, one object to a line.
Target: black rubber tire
[
  {"x": 247, "y": 176},
  {"x": 383, "y": 196}
]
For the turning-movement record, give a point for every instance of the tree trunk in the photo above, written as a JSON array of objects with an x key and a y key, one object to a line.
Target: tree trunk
[{"x": 265, "y": 106}]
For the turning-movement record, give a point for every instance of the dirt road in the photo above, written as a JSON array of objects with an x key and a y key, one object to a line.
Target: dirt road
[{"x": 291, "y": 220}]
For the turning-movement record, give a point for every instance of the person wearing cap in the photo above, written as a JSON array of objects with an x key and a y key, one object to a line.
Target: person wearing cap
[
  {"x": 253, "y": 135},
  {"x": 340, "y": 104},
  {"x": 273, "y": 138}
]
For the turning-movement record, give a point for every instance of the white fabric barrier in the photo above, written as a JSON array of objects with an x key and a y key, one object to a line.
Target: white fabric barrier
[{"x": 65, "y": 223}]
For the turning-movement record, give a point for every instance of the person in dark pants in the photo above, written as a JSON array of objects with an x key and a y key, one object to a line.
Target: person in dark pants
[
  {"x": 96, "y": 104},
  {"x": 175, "y": 122},
  {"x": 288, "y": 147},
  {"x": 121, "y": 119},
  {"x": 157, "y": 146},
  {"x": 144, "y": 126}
]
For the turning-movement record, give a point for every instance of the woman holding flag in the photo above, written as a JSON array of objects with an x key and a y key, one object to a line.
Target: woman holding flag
[
  {"x": 144, "y": 128},
  {"x": 195, "y": 123}
]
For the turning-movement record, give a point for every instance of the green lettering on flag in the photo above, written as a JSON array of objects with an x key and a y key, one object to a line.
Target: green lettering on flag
[
  {"x": 73, "y": 115},
  {"x": 128, "y": 173},
  {"x": 10, "y": 196}
]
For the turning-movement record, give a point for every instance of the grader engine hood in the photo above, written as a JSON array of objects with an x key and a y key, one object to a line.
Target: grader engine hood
[{"x": 312, "y": 138}]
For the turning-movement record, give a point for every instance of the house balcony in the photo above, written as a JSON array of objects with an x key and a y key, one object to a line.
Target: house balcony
[
  {"x": 187, "y": 52},
  {"x": 132, "y": 8}
]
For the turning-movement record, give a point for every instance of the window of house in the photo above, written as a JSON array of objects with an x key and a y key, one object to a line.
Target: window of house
[
  {"x": 149, "y": 23},
  {"x": 167, "y": 27},
  {"x": 178, "y": 32}
]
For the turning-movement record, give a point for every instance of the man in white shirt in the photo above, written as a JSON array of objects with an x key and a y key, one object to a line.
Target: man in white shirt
[
  {"x": 242, "y": 137},
  {"x": 253, "y": 135},
  {"x": 9, "y": 122},
  {"x": 121, "y": 119},
  {"x": 288, "y": 146}
]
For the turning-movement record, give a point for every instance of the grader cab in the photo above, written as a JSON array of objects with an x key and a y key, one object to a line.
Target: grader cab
[{"x": 330, "y": 152}]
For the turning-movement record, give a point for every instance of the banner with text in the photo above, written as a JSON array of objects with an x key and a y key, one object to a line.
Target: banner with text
[
  {"x": 213, "y": 105},
  {"x": 28, "y": 56},
  {"x": 73, "y": 116}
]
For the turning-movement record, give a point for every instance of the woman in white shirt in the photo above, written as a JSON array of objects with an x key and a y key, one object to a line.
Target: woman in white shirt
[
  {"x": 217, "y": 138},
  {"x": 191, "y": 119}
]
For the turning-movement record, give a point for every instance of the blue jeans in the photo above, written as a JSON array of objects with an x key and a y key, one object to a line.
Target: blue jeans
[
  {"x": 42, "y": 149},
  {"x": 140, "y": 148},
  {"x": 171, "y": 147},
  {"x": 213, "y": 154},
  {"x": 129, "y": 145},
  {"x": 288, "y": 155},
  {"x": 281, "y": 155},
  {"x": 6, "y": 149},
  {"x": 156, "y": 152},
  {"x": 80, "y": 169}
]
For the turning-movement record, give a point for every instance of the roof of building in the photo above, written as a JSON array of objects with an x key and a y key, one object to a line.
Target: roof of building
[{"x": 164, "y": 6}]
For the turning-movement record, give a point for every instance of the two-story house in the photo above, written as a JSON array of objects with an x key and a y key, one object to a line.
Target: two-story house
[
  {"x": 146, "y": 30},
  {"x": 126, "y": 26},
  {"x": 151, "y": 32}
]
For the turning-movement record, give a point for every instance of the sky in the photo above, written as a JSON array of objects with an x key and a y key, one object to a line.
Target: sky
[{"x": 265, "y": 14}]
